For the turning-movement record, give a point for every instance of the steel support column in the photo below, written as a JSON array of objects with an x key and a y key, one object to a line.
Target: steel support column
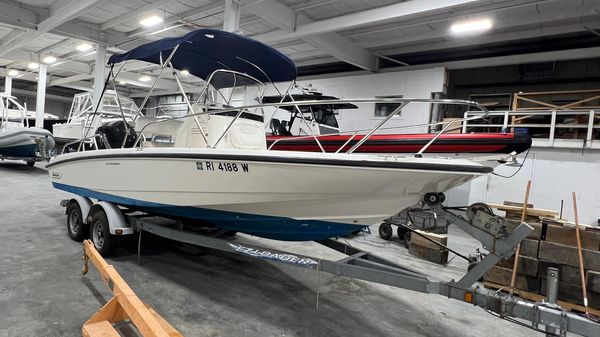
[
  {"x": 99, "y": 74},
  {"x": 231, "y": 17},
  {"x": 40, "y": 101},
  {"x": 8, "y": 84}
]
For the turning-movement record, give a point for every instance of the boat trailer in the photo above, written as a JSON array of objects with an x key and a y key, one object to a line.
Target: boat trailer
[{"x": 358, "y": 264}]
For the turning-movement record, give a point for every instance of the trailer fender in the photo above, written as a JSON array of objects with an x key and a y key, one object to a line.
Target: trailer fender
[
  {"x": 117, "y": 224},
  {"x": 85, "y": 204}
]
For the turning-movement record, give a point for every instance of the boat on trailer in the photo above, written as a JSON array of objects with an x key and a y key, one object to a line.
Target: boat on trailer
[
  {"x": 18, "y": 141},
  {"x": 294, "y": 132},
  {"x": 220, "y": 173}
]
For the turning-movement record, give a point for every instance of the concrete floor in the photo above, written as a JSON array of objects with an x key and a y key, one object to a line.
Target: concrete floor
[{"x": 42, "y": 292}]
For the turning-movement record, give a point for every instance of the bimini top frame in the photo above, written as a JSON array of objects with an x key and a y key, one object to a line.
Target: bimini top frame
[{"x": 203, "y": 51}]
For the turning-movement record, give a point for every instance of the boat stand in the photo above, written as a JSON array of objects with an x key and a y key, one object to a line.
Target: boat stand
[
  {"x": 124, "y": 306},
  {"x": 358, "y": 264}
]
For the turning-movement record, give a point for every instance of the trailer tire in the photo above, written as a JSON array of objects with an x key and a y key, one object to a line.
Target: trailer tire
[
  {"x": 434, "y": 198},
  {"x": 76, "y": 228},
  {"x": 100, "y": 234},
  {"x": 401, "y": 231},
  {"x": 30, "y": 163},
  {"x": 406, "y": 239},
  {"x": 385, "y": 231}
]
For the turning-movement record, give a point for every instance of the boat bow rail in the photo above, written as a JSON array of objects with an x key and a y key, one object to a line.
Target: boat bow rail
[{"x": 369, "y": 132}]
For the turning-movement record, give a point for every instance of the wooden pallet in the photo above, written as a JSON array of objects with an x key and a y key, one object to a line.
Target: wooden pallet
[{"x": 573, "y": 307}]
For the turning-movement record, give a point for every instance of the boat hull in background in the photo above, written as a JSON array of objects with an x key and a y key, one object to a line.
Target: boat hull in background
[
  {"x": 278, "y": 195},
  {"x": 25, "y": 143}
]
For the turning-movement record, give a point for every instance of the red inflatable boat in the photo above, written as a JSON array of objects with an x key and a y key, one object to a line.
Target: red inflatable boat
[{"x": 477, "y": 143}]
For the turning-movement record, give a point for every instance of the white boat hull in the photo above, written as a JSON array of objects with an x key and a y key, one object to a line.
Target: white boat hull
[{"x": 225, "y": 186}]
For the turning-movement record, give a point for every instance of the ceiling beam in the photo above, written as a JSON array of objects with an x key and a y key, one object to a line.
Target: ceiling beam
[
  {"x": 58, "y": 15},
  {"x": 274, "y": 12},
  {"x": 134, "y": 13},
  {"x": 560, "y": 55},
  {"x": 400, "y": 10},
  {"x": 57, "y": 45},
  {"x": 13, "y": 34},
  {"x": 481, "y": 40},
  {"x": 282, "y": 16},
  {"x": 206, "y": 10},
  {"x": 506, "y": 23},
  {"x": 70, "y": 79},
  {"x": 18, "y": 16},
  {"x": 344, "y": 50}
]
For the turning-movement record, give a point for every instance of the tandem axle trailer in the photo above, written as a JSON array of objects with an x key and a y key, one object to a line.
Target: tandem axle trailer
[{"x": 103, "y": 222}]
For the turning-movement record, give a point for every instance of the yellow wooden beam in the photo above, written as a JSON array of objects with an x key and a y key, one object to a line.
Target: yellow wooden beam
[{"x": 124, "y": 305}]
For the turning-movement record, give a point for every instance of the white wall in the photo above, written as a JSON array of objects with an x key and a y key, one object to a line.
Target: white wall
[
  {"x": 410, "y": 84},
  {"x": 554, "y": 173}
]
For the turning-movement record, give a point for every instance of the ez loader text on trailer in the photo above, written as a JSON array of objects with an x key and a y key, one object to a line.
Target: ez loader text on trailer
[{"x": 104, "y": 221}]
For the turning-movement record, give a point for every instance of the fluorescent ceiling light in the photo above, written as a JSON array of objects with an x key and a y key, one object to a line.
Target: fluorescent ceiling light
[
  {"x": 471, "y": 26},
  {"x": 184, "y": 72},
  {"x": 84, "y": 47},
  {"x": 151, "y": 21},
  {"x": 33, "y": 66},
  {"x": 49, "y": 59},
  {"x": 13, "y": 72},
  {"x": 144, "y": 78}
]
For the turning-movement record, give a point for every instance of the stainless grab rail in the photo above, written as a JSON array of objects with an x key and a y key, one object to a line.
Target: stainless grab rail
[{"x": 402, "y": 101}]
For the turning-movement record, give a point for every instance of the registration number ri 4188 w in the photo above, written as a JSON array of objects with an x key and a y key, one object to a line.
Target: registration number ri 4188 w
[{"x": 222, "y": 166}]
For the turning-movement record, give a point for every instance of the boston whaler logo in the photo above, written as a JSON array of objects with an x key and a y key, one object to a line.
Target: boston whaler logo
[
  {"x": 56, "y": 175},
  {"x": 267, "y": 255}
]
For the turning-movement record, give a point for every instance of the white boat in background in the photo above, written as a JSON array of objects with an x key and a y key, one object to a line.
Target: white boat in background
[
  {"x": 219, "y": 171},
  {"x": 16, "y": 111},
  {"x": 17, "y": 140},
  {"x": 82, "y": 120}
]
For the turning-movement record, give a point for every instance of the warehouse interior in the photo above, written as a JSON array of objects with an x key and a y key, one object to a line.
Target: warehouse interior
[{"x": 299, "y": 167}]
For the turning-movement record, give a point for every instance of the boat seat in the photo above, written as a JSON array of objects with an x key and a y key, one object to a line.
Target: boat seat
[
  {"x": 283, "y": 129},
  {"x": 275, "y": 126}
]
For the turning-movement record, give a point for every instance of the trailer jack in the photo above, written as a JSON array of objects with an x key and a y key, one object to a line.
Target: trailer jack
[{"x": 125, "y": 306}]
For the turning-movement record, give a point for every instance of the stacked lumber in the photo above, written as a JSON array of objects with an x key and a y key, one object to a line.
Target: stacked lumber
[
  {"x": 421, "y": 247},
  {"x": 552, "y": 243}
]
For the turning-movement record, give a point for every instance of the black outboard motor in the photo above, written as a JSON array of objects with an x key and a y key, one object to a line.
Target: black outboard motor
[{"x": 113, "y": 133}]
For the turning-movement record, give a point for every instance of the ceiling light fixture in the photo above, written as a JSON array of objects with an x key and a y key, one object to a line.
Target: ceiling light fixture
[
  {"x": 84, "y": 47},
  {"x": 144, "y": 78},
  {"x": 13, "y": 72},
  {"x": 49, "y": 59},
  {"x": 33, "y": 66},
  {"x": 151, "y": 21},
  {"x": 184, "y": 72},
  {"x": 465, "y": 27}
]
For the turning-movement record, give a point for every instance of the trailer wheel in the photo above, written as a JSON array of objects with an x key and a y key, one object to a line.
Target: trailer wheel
[
  {"x": 401, "y": 231},
  {"x": 100, "y": 234},
  {"x": 407, "y": 239},
  {"x": 434, "y": 198},
  {"x": 77, "y": 230},
  {"x": 385, "y": 231}
]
